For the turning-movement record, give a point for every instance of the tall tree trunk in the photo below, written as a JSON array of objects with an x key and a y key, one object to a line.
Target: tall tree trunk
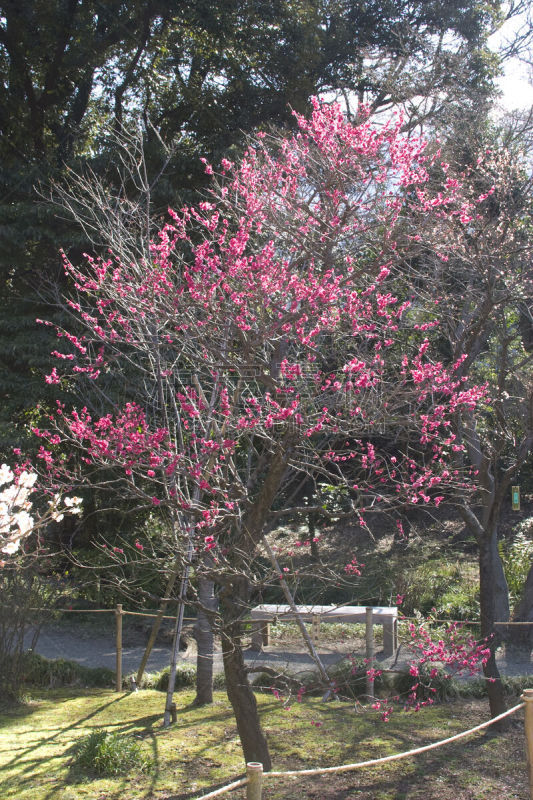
[
  {"x": 494, "y": 607},
  {"x": 205, "y": 640},
  {"x": 240, "y": 693}
]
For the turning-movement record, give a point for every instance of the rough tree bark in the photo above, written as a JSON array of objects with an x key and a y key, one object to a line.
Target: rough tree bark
[
  {"x": 205, "y": 640},
  {"x": 233, "y": 602},
  {"x": 494, "y": 607}
]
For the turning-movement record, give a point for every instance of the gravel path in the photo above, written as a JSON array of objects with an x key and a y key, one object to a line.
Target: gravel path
[
  {"x": 94, "y": 649},
  {"x": 94, "y": 646}
]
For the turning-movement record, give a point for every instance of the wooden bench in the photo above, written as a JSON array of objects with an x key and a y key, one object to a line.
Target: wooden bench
[{"x": 263, "y": 615}]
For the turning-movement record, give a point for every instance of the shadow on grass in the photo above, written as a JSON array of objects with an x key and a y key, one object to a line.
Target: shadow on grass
[
  {"x": 144, "y": 728},
  {"x": 19, "y": 781}
]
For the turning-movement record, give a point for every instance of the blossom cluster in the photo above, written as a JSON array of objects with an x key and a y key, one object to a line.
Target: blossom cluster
[{"x": 16, "y": 521}]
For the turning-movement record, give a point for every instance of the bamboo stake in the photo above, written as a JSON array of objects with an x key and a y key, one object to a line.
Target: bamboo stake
[
  {"x": 254, "y": 787},
  {"x": 370, "y": 651},
  {"x": 118, "y": 618},
  {"x": 158, "y": 620},
  {"x": 305, "y": 633},
  {"x": 169, "y": 715},
  {"x": 527, "y": 697}
]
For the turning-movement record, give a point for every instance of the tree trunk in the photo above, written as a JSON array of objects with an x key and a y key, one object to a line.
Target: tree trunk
[
  {"x": 205, "y": 640},
  {"x": 234, "y": 599},
  {"x": 494, "y": 607},
  {"x": 240, "y": 693}
]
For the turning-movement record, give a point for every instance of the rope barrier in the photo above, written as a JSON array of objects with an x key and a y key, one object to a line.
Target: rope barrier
[
  {"x": 191, "y": 619},
  {"x": 451, "y": 621},
  {"x": 397, "y": 756},
  {"x": 108, "y": 611},
  {"x": 253, "y": 767},
  {"x": 77, "y": 610},
  {"x": 146, "y": 614},
  {"x": 228, "y": 788}
]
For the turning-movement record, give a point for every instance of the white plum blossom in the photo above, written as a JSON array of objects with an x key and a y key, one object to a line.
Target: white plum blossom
[
  {"x": 73, "y": 504},
  {"x": 11, "y": 546},
  {"x": 27, "y": 479},
  {"x": 24, "y": 521},
  {"x": 6, "y": 475},
  {"x": 16, "y": 523}
]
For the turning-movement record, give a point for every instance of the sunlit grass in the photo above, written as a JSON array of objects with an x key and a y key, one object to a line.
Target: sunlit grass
[{"x": 37, "y": 743}]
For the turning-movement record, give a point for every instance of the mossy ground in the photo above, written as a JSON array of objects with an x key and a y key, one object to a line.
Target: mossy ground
[{"x": 203, "y": 750}]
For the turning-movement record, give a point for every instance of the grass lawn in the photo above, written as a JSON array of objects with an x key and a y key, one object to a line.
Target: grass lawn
[{"x": 203, "y": 750}]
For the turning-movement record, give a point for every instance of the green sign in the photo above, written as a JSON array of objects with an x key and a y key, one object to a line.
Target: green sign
[{"x": 515, "y": 497}]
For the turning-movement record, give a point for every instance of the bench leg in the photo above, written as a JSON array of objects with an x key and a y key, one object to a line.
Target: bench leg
[
  {"x": 260, "y": 635},
  {"x": 390, "y": 637}
]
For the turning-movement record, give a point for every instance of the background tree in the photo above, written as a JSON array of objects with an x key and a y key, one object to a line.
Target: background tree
[{"x": 479, "y": 277}]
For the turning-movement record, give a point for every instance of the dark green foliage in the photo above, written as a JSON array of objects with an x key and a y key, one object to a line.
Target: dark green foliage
[
  {"x": 108, "y": 754},
  {"x": 185, "y": 678},
  {"x": 42, "y": 672}
]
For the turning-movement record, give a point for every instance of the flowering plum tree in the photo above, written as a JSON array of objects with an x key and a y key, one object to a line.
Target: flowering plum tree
[{"x": 260, "y": 340}]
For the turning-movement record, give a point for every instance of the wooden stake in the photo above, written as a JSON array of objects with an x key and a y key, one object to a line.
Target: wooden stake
[
  {"x": 118, "y": 618},
  {"x": 299, "y": 621},
  {"x": 369, "y": 650},
  {"x": 174, "y": 713},
  {"x": 254, "y": 787},
  {"x": 527, "y": 697}
]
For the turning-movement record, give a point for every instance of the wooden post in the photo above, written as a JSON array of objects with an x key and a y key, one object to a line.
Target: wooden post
[
  {"x": 266, "y": 634},
  {"x": 390, "y": 636},
  {"x": 118, "y": 618},
  {"x": 527, "y": 697},
  {"x": 369, "y": 650},
  {"x": 254, "y": 787},
  {"x": 174, "y": 713}
]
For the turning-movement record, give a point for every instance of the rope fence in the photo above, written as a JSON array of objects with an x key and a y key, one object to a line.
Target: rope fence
[
  {"x": 191, "y": 619},
  {"x": 119, "y": 613},
  {"x": 254, "y": 770},
  {"x": 255, "y": 778},
  {"x": 110, "y": 611}
]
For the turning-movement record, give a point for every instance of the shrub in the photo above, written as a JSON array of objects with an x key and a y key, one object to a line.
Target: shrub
[
  {"x": 35, "y": 670},
  {"x": 185, "y": 678},
  {"x": 108, "y": 754},
  {"x": 22, "y": 591},
  {"x": 516, "y": 558},
  {"x": 441, "y": 586}
]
